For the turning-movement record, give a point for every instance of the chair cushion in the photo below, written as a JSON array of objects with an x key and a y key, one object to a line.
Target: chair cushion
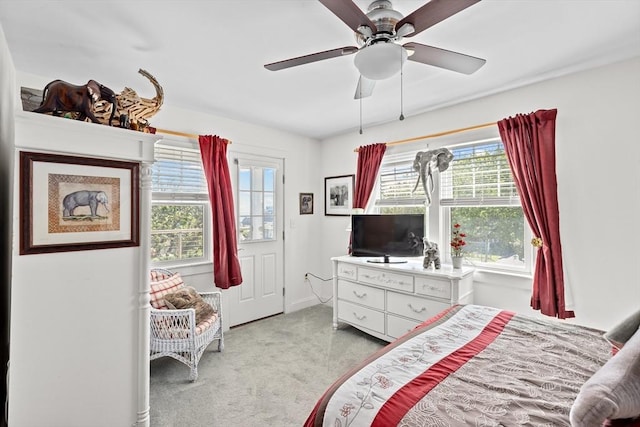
[
  {"x": 188, "y": 297},
  {"x": 206, "y": 323},
  {"x": 163, "y": 287}
]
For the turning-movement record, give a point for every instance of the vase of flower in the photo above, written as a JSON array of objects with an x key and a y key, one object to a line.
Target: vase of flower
[
  {"x": 457, "y": 261},
  {"x": 457, "y": 243}
]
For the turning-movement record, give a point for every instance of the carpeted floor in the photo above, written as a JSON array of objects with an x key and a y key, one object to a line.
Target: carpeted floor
[{"x": 271, "y": 373}]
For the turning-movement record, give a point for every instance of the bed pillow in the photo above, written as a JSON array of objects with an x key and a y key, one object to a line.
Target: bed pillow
[
  {"x": 188, "y": 297},
  {"x": 621, "y": 333},
  {"x": 160, "y": 288},
  {"x": 613, "y": 392}
]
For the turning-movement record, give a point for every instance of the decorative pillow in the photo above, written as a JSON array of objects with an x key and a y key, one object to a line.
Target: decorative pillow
[
  {"x": 157, "y": 275},
  {"x": 188, "y": 297},
  {"x": 624, "y": 330},
  {"x": 613, "y": 392},
  {"x": 162, "y": 287}
]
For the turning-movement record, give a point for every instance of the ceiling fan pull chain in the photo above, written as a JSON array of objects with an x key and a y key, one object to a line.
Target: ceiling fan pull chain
[
  {"x": 360, "y": 96},
  {"x": 401, "y": 87}
]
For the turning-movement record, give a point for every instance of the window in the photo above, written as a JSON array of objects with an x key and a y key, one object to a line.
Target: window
[
  {"x": 180, "y": 207},
  {"x": 256, "y": 196},
  {"x": 476, "y": 191}
]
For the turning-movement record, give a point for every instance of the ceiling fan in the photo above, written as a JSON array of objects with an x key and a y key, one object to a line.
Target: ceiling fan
[{"x": 378, "y": 34}]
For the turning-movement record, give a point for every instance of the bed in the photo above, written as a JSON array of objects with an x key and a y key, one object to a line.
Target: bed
[{"x": 471, "y": 365}]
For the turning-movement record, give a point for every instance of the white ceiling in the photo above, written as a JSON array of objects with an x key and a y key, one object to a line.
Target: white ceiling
[{"x": 209, "y": 55}]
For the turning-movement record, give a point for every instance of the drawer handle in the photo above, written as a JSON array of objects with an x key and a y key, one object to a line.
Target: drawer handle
[
  {"x": 347, "y": 272},
  {"x": 416, "y": 311},
  {"x": 364, "y": 316},
  {"x": 435, "y": 288},
  {"x": 382, "y": 279},
  {"x": 362, "y": 295}
]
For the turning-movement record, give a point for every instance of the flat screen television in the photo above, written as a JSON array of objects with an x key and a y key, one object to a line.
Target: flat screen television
[{"x": 398, "y": 235}]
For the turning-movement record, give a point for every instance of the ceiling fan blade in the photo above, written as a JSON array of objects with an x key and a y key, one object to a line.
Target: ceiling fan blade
[
  {"x": 365, "y": 88},
  {"x": 446, "y": 59},
  {"x": 314, "y": 57},
  {"x": 432, "y": 13},
  {"x": 350, "y": 14}
]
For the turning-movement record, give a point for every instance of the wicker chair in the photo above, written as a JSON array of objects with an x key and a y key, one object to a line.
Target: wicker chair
[{"x": 174, "y": 332}]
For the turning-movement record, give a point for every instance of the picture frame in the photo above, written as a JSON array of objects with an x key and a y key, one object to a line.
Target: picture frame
[
  {"x": 338, "y": 195},
  {"x": 306, "y": 203},
  {"x": 70, "y": 203}
]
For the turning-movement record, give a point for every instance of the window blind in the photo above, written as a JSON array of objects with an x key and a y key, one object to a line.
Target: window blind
[
  {"x": 397, "y": 181},
  {"x": 478, "y": 175},
  {"x": 178, "y": 173}
]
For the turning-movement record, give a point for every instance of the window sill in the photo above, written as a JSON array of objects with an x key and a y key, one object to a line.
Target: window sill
[
  {"x": 509, "y": 279},
  {"x": 200, "y": 267},
  {"x": 519, "y": 274}
]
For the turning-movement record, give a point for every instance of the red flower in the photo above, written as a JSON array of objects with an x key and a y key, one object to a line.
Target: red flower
[{"x": 457, "y": 241}]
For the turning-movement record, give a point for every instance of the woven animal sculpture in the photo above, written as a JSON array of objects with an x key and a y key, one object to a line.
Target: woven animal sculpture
[
  {"x": 428, "y": 162},
  {"x": 136, "y": 109},
  {"x": 431, "y": 254}
]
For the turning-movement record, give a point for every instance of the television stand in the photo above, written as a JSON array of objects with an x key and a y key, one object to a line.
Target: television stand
[
  {"x": 388, "y": 300},
  {"x": 385, "y": 260}
]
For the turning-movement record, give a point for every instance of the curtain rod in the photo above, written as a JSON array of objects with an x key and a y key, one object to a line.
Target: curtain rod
[
  {"x": 188, "y": 135},
  {"x": 435, "y": 135}
]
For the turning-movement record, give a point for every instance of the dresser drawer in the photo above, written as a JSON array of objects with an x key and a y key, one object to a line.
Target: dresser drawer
[
  {"x": 412, "y": 306},
  {"x": 433, "y": 287},
  {"x": 361, "y": 294},
  {"x": 347, "y": 271},
  {"x": 398, "y": 326},
  {"x": 401, "y": 282},
  {"x": 361, "y": 316}
]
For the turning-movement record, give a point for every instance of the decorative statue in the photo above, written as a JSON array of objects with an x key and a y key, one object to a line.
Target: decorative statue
[
  {"x": 425, "y": 163},
  {"x": 431, "y": 254},
  {"x": 137, "y": 109},
  {"x": 59, "y": 96}
]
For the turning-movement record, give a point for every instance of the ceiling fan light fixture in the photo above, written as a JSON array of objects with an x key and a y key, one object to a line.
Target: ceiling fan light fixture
[{"x": 380, "y": 61}]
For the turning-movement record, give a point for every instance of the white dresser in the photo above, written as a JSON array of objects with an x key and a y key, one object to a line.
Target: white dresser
[{"x": 388, "y": 300}]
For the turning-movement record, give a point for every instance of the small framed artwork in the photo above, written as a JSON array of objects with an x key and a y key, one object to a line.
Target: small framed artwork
[
  {"x": 306, "y": 203},
  {"x": 76, "y": 203},
  {"x": 338, "y": 195}
]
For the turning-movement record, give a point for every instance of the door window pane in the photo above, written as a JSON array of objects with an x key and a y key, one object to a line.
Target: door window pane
[{"x": 256, "y": 207}]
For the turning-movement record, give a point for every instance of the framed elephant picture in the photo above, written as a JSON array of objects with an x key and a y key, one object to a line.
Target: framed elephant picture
[{"x": 72, "y": 203}]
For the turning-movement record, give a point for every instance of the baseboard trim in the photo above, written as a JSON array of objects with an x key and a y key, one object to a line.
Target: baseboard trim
[{"x": 303, "y": 303}]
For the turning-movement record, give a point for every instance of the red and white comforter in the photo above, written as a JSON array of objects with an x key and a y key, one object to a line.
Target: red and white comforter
[{"x": 470, "y": 365}]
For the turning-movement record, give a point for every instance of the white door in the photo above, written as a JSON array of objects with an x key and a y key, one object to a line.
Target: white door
[{"x": 259, "y": 205}]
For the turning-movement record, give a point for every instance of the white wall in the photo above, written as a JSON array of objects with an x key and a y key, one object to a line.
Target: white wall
[
  {"x": 598, "y": 168},
  {"x": 78, "y": 318},
  {"x": 7, "y": 89}
]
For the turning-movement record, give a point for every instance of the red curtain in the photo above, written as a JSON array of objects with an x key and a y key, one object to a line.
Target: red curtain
[
  {"x": 226, "y": 266},
  {"x": 529, "y": 142},
  {"x": 369, "y": 159}
]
